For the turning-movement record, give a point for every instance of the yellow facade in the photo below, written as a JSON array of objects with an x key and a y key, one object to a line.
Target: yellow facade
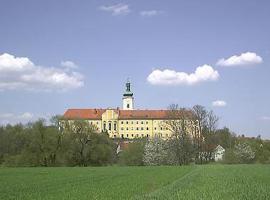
[
  {"x": 130, "y": 128},
  {"x": 127, "y": 123}
]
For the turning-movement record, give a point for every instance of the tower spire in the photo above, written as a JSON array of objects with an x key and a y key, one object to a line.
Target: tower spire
[{"x": 128, "y": 97}]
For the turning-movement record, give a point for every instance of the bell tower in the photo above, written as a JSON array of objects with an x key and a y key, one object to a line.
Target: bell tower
[{"x": 128, "y": 99}]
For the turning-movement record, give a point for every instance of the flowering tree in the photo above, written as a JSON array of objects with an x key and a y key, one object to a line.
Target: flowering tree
[
  {"x": 155, "y": 152},
  {"x": 244, "y": 153}
]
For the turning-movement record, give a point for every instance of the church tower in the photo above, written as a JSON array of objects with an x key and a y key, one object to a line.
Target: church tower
[{"x": 128, "y": 100}]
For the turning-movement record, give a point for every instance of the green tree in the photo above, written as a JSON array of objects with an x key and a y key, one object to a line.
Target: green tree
[{"x": 133, "y": 154}]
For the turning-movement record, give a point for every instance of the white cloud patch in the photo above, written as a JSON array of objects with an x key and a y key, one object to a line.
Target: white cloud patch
[
  {"x": 265, "y": 118},
  {"x": 11, "y": 118},
  {"x": 150, "y": 13},
  {"x": 248, "y": 58},
  {"x": 171, "y": 77},
  {"x": 69, "y": 64},
  {"x": 21, "y": 73},
  {"x": 117, "y": 9},
  {"x": 219, "y": 103}
]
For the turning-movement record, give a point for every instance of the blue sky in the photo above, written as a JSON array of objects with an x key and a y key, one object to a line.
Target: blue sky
[{"x": 56, "y": 55}]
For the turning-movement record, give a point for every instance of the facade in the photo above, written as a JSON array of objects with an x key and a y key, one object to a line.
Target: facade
[
  {"x": 219, "y": 153},
  {"x": 126, "y": 122}
]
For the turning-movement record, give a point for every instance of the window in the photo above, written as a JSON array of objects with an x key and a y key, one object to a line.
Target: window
[
  {"x": 137, "y": 135},
  {"x": 132, "y": 128},
  {"x": 146, "y": 122},
  {"x": 155, "y": 128},
  {"x": 147, "y": 128},
  {"x": 137, "y": 122},
  {"x": 110, "y": 126},
  {"x": 122, "y": 135},
  {"x": 142, "y": 135},
  {"x": 114, "y": 136},
  {"x": 127, "y": 128},
  {"x": 114, "y": 126},
  {"x": 131, "y": 122},
  {"x": 104, "y": 126},
  {"x": 127, "y": 135},
  {"x": 97, "y": 122},
  {"x": 132, "y": 135},
  {"x": 122, "y": 128},
  {"x": 122, "y": 122},
  {"x": 126, "y": 122},
  {"x": 147, "y": 135},
  {"x": 141, "y": 122},
  {"x": 137, "y": 128},
  {"x": 161, "y": 128},
  {"x": 128, "y": 105},
  {"x": 142, "y": 128}
]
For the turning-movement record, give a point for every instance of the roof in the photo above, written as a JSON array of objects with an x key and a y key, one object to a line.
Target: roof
[
  {"x": 123, "y": 114},
  {"x": 143, "y": 114},
  {"x": 84, "y": 113}
]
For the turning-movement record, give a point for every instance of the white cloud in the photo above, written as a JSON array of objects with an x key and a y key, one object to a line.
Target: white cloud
[
  {"x": 150, "y": 13},
  {"x": 11, "y": 118},
  {"x": 69, "y": 64},
  {"x": 219, "y": 103},
  {"x": 117, "y": 9},
  {"x": 248, "y": 58},
  {"x": 21, "y": 73},
  {"x": 265, "y": 118},
  {"x": 171, "y": 77}
]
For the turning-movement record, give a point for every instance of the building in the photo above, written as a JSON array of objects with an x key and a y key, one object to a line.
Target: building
[
  {"x": 219, "y": 152},
  {"x": 126, "y": 122}
]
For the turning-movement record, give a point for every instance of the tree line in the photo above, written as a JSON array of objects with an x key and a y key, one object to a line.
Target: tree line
[{"x": 78, "y": 143}]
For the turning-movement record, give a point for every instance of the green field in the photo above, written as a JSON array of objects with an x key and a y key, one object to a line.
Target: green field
[{"x": 190, "y": 182}]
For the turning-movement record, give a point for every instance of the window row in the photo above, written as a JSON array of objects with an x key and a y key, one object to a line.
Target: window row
[
  {"x": 142, "y": 128},
  {"x": 133, "y": 122},
  {"x": 141, "y": 135}
]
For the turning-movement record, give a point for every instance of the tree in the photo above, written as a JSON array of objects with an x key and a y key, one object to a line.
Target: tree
[
  {"x": 244, "y": 153},
  {"x": 83, "y": 146},
  {"x": 133, "y": 154},
  {"x": 207, "y": 123},
  {"x": 77, "y": 136},
  {"x": 180, "y": 143},
  {"x": 155, "y": 152}
]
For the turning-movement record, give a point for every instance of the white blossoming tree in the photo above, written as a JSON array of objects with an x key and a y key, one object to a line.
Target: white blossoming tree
[
  {"x": 155, "y": 152},
  {"x": 244, "y": 153}
]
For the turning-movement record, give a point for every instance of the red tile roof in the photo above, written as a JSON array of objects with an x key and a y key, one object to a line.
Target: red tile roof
[
  {"x": 143, "y": 114},
  {"x": 123, "y": 114},
  {"x": 84, "y": 113}
]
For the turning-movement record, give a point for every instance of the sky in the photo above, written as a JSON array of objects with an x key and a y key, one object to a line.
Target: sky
[{"x": 56, "y": 55}]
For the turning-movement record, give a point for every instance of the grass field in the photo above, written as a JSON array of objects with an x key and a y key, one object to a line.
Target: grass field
[{"x": 190, "y": 182}]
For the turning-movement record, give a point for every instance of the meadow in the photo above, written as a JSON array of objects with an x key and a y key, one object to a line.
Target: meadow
[{"x": 163, "y": 182}]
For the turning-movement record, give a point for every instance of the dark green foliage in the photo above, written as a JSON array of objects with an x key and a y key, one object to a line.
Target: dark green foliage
[
  {"x": 133, "y": 154},
  {"x": 37, "y": 144}
]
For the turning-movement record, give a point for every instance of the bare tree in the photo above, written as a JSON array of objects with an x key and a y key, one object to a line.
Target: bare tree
[
  {"x": 206, "y": 124},
  {"x": 180, "y": 124}
]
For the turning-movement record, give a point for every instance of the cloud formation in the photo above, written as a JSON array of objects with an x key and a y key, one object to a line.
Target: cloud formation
[
  {"x": 150, "y": 13},
  {"x": 219, "y": 103},
  {"x": 265, "y": 118},
  {"x": 22, "y": 73},
  {"x": 69, "y": 64},
  {"x": 117, "y": 9},
  {"x": 11, "y": 118},
  {"x": 171, "y": 77},
  {"x": 248, "y": 58}
]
